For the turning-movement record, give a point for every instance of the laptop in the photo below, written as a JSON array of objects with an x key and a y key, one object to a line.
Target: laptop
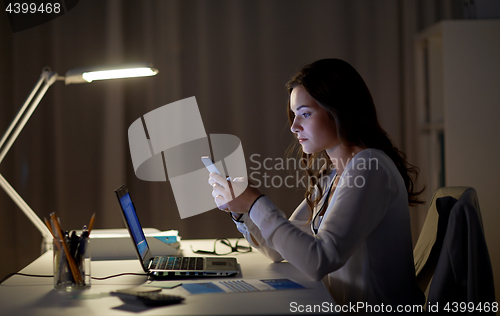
[{"x": 169, "y": 267}]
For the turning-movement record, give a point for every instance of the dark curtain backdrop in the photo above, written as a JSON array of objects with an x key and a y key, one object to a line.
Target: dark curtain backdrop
[{"x": 234, "y": 56}]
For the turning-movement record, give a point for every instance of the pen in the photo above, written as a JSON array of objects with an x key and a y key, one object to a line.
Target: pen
[
  {"x": 52, "y": 232},
  {"x": 91, "y": 224},
  {"x": 48, "y": 226},
  {"x": 74, "y": 241},
  {"x": 80, "y": 251},
  {"x": 59, "y": 255}
]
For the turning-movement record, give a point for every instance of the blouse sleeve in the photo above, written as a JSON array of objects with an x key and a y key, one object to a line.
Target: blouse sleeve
[
  {"x": 248, "y": 228},
  {"x": 358, "y": 205}
]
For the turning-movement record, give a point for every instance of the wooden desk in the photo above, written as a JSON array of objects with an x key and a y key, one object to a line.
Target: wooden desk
[{"x": 25, "y": 296}]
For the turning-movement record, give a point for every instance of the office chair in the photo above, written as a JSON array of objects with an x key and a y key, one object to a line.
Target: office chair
[{"x": 452, "y": 262}]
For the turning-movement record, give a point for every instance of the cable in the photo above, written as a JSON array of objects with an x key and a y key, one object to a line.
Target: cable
[
  {"x": 24, "y": 274},
  {"x": 117, "y": 275},
  {"x": 51, "y": 276}
]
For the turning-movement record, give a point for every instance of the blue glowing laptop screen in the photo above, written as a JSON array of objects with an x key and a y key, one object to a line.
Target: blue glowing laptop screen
[{"x": 134, "y": 225}]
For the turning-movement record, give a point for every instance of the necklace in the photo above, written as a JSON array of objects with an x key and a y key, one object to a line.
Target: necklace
[{"x": 319, "y": 215}]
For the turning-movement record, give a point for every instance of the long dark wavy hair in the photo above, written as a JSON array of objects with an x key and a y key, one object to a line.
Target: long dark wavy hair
[{"x": 337, "y": 87}]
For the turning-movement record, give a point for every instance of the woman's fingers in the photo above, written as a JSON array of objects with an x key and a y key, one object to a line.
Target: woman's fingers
[
  {"x": 227, "y": 191},
  {"x": 218, "y": 190},
  {"x": 222, "y": 194},
  {"x": 216, "y": 178}
]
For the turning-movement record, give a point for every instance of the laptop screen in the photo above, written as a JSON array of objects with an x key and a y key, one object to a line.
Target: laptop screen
[{"x": 134, "y": 225}]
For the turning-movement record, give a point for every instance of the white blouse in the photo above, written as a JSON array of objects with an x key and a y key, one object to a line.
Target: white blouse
[{"x": 363, "y": 242}]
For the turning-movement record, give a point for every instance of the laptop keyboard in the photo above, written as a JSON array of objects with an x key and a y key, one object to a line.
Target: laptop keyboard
[{"x": 177, "y": 263}]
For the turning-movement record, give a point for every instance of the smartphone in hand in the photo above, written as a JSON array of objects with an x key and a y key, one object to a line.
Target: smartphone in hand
[{"x": 210, "y": 164}]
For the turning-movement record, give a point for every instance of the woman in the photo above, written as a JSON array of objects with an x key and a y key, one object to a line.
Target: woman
[{"x": 353, "y": 225}]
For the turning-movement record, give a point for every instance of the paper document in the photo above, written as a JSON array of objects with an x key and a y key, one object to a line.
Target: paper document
[{"x": 241, "y": 285}]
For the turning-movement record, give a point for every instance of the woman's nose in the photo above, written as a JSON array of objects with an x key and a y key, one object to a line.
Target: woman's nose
[{"x": 295, "y": 126}]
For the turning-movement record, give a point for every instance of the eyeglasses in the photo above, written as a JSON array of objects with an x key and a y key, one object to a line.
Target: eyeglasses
[{"x": 222, "y": 246}]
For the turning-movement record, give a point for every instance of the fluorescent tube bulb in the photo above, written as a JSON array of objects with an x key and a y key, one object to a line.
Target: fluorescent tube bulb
[{"x": 118, "y": 73}]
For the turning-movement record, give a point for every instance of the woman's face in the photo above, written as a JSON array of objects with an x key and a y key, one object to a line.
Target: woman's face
[{"x": 312, "y": 125}]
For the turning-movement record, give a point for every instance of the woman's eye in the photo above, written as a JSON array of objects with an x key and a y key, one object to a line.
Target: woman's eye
[{"x": 306, "y": 114}]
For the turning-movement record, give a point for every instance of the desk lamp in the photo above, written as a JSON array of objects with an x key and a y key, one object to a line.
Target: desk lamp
[{"x": 47, "y": 78}]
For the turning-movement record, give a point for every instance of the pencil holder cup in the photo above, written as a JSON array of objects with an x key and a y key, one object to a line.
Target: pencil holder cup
[{"x": 71, "y": 263}]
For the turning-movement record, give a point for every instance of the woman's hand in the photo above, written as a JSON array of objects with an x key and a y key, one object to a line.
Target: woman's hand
[{"x": 233, "y": 195}]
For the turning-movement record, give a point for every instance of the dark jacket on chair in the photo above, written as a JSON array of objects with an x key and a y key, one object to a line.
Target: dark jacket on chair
[{"x": 463, "y": 272}]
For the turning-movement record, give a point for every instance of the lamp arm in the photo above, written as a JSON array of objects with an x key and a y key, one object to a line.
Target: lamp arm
[
  {"x": 47, "y": 78},
  {"x": 26, "y": 209},
  {"x": 21, "y": 111}
]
